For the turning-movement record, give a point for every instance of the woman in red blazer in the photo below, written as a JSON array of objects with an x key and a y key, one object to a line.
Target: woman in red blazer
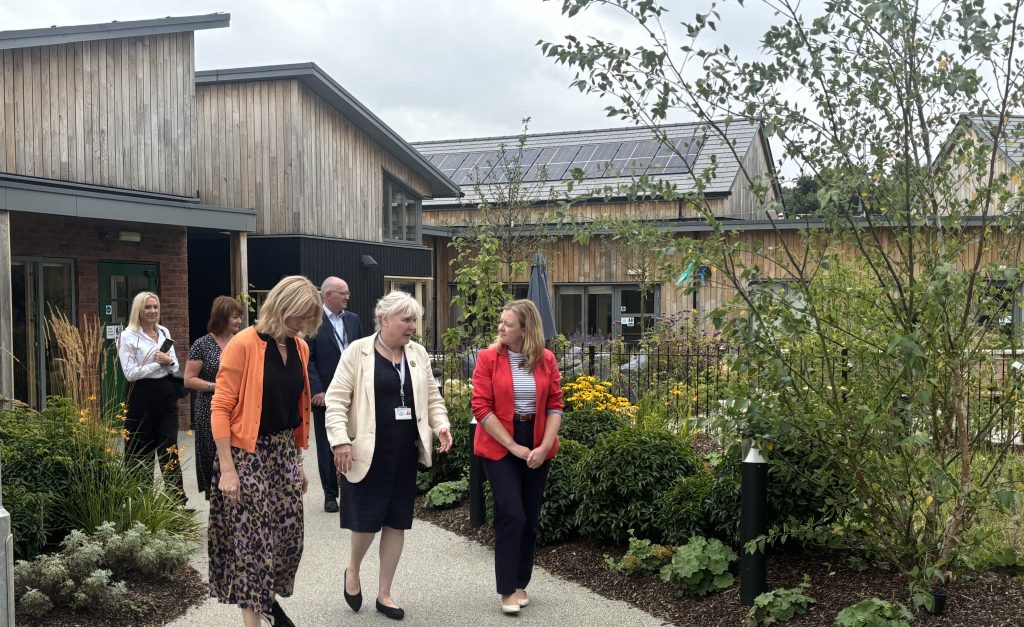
[{"x": 517, "y": 399}]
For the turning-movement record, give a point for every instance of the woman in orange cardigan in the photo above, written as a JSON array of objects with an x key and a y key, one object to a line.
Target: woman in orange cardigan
[
  {"x": 259, "y": 419},
  {"x": 517, "y": 399}
]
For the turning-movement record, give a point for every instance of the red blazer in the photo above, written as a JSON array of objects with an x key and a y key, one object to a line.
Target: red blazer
[{"x": 493, "y": 393}]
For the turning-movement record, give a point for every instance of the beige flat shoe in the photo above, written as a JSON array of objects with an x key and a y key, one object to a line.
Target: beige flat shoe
[
  {"x": 523, "y": 599},
  {"x": 510, "y": 608}
]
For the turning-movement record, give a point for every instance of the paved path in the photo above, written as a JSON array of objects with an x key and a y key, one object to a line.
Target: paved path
[{"x": 443, "y": 579}]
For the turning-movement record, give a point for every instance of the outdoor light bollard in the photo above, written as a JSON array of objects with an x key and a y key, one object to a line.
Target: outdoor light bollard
[
  {"x": 6, "y": 566},
  {"x": 753, "y": 524},
  {"x": 476, "y": 482}
]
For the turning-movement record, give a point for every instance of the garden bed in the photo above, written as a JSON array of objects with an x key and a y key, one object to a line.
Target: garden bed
[
  {"x": 160, "y": 602},
  {"x": 981, "y": 599}
]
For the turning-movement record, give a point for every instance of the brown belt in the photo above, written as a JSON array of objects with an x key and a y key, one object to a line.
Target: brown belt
[{"x": 524, "y": 417}]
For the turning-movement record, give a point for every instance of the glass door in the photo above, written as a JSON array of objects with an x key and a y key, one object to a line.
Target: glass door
[
  {"x": 119, "y": 282},
  {"x": 599, "y": 311},
  {"x": 420, "y": 289},
  {"x": 636, "y": 311},
  {"x": 40, "y": 289}
]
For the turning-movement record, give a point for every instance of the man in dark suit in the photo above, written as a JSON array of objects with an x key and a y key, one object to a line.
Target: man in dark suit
[{"x": 339, "y": 329}]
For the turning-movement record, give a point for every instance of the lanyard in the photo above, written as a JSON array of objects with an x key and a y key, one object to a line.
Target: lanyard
[
  {"x": 399, "y": 369},
  {"x": 342, "y": 344}
]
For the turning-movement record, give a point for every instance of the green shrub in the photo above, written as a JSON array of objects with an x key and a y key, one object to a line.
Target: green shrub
[
  {"x": 780, "y": 605},
  {"x": 585, "y": 425},
  {"x": 799, "y": 486},
  {"x": 642, "y": 557},
  {"x": 682, "y": 509},
  {"x": 999, "y": 559},
  {"x": 446, "y": 494},
  {"x": 875, "y": 613},
  {"x": 423, "y": 482},
  {"x": 82, "y": 574},
  {"x": 454, "y": 464},
  {"x": 561, "y": 494},
  {"x": 621, "y": 480},
  {"x": 700, "y": 567}
]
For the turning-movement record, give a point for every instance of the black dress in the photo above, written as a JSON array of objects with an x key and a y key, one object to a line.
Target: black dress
[
  {"x": 206, "y": 350},
  {"x": 385, "y": 496}
]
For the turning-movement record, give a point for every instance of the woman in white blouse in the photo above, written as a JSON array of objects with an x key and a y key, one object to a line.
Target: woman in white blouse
[{"x": 148, "y": 360}]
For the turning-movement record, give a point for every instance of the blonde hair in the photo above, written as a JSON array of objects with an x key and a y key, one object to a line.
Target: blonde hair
[
  {"x": 396, "y": 303},
  {"x": 533, "y": 331},
  {"x": 293, "y": 296},
  {"x": 138, "y": 304}
]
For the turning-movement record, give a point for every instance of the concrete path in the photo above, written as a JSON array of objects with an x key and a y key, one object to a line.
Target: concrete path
[{"x": 443, "y": 579}]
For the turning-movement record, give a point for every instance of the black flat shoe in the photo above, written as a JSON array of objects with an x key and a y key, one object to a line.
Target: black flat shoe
[
  {"x": 277, "y": 617},
  {"x": 395, "y": 613},
  {"x": 355, "y": 601}
]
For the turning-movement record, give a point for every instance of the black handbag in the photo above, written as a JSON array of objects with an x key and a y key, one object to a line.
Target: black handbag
[{"x": 178, "y": 381}]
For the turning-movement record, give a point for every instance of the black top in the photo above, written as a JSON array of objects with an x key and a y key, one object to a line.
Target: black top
[
  {"x": 387, "y": 398},
  {"x": 282, "y": 388}
]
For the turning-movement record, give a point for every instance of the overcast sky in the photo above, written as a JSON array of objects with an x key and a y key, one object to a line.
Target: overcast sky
[{"x": 431, "y": 69}]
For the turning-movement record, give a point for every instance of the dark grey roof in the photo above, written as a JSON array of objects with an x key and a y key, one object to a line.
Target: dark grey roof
[
  {"x": 1012, "y": 143},
  {"x": 310, "y": 75},
  {"x": 110, "y": 30},
  {"x": 62, "y": 198},
  {"x": 713, "y": 148}
]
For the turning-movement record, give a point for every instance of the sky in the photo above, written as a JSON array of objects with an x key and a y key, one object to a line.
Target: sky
[{"x": 431, "y": 69}]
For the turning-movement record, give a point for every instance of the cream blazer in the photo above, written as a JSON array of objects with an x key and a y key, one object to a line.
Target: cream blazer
[{"x": 352, "y": 414}]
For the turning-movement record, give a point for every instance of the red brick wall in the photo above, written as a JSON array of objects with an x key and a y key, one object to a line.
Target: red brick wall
[{"x": 90, "y": 241}]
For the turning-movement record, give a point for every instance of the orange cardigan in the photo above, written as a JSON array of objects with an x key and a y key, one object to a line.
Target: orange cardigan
[{"x": 237, "y": 399}]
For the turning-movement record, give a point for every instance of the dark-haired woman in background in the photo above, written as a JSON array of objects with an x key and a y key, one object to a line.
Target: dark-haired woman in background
[{"x": 201, "y": 375}]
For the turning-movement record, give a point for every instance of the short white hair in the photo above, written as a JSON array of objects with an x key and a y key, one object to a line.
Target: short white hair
[{"x": 396, "y": 303}]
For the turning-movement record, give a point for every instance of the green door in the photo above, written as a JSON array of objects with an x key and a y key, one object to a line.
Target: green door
[{"x": 119, "y": 283}]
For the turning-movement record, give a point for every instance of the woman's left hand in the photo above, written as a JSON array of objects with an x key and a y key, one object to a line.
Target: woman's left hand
[
  {"x": 445, "y": 436},
  {"x": 537, "y": 457},
  {"x": 302, "y": 475}
]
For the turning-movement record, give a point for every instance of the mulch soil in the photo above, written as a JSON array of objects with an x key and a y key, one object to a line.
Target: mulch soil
[
  {"x": 159, "y": 602},
  {"x": 981, "y": 599}
]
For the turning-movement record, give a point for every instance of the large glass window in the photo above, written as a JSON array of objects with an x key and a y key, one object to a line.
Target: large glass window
[
  {"x": 402, "y": 218},
  {"x": 420, "y": 289},
  {"x": 598, "y": 311}
]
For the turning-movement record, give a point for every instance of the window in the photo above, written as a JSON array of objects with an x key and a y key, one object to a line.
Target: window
[
  {"x": 772, "y": 295},
  {"x": 616, "y": 311},
  {"x": 41, "y": 288},
  {"x": 1000, "y": 305},
  {"x": 421, "y": 289},
  {"x": 402, "y": 218}
]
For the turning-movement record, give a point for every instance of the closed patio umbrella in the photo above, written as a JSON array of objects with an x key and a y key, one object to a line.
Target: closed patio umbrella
[{"x": 538, "y": 293}]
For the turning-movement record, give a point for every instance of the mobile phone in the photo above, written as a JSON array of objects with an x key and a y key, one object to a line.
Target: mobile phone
[{"x": 166, "y": 346}]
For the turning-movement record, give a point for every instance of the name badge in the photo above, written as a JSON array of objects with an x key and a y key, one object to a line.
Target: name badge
[{"x": 403, "y": 413}]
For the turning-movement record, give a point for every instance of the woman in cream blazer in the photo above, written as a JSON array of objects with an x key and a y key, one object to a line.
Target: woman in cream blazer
[{"x": 383, "y": 409}]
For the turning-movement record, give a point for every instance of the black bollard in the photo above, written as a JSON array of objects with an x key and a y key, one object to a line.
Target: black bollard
[
  {"x": 476, "y": 483},
  {"x": 753, "y": 524}
]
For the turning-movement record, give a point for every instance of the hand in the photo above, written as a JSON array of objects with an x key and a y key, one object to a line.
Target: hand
[
  {"x": 445, "y": 436},
  {"x": 520, "y": 451},
  {"x": 228, "y": 484},
  {"x": 537, "y": 457},
  {"x": 305, "y": 482},
  {"x": 343, "y": 457},
  {"x": 318, "y": 399},
  {"x": 163, "y": 359}
]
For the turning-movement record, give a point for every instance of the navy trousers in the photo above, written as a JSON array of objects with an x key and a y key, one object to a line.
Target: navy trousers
[
  {"x": 324, "y": 455},
  {"x": 518, "y": 495}
]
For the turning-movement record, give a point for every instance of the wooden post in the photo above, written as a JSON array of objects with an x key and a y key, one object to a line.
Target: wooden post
[
  {"x": 6, "y": 310},
  {"x": 240, "y": 269}
]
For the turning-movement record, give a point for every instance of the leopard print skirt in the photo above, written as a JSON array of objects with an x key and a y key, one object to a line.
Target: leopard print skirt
[{"x": 255, "y": 543}]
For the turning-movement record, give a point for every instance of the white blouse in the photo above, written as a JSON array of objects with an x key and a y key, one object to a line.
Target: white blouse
[
  {"x": 523, "y": 384},
  {"x": 137, "y": 352}
]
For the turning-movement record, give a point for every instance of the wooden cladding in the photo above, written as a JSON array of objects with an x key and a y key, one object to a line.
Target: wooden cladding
[
  {"x": 279, "y": 148},
  {"x": 115, "y": 112}
]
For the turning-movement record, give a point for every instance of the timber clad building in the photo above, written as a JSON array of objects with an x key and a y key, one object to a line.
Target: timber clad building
[
  {"x": 592, "y": 292},
  {"x": 122, "y": 169}
]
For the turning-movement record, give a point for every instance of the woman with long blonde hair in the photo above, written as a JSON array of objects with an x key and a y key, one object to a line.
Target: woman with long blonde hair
[{"x": 517, "y": 399}]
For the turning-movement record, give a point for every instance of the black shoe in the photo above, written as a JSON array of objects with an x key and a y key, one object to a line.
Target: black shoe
[
  {"x": 395, "y": 613},
  {"x": 355, "y": 601},
  {"x": 277, "y": 617},
  {"x": 331, "y": 505}
]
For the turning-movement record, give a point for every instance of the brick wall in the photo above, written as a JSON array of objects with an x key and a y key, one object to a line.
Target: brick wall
[{"x": 90, "y": 241}]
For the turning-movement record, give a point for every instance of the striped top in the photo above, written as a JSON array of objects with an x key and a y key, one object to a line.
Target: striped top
[{"x": 524, "y": 385}]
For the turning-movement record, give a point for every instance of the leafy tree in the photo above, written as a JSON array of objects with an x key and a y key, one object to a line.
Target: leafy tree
[
  {"x": 882, "y": 338},
  {"x": 800, "y": 199}
]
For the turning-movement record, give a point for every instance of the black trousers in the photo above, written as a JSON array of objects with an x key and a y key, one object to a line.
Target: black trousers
[
  {"x": 324, "y": 455},
  {"x": 518, "y": 494},
  {"x": 152, "y": 424}
]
